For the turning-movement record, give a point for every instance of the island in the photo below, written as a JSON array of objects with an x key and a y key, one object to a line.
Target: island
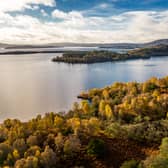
[
  {"x": 124, "y": 125},
  {"x": 88, "y": 57}
]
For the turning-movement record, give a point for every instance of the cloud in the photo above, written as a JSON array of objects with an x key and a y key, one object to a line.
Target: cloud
[
  {"x": 102, "y": 9},
  {"x": 59, "y": 14},
  {"x": 69, "y": 15},
  {"x": 134, "y": 26},
  {"x": 102, "y": 6},
  {"x": 18, "y": 5},
  {"x": 35, "y": 7},
  {"x": 43, "y": 12}
]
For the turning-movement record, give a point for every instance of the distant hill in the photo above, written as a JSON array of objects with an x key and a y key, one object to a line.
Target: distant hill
[
  {"x": 2, "y": 45},
  {"x": 114, "y": 45},
  {"x": 101, "y": 45},
  {"x": 135, "y": 45},
  {"x": 158, "y": 42}
]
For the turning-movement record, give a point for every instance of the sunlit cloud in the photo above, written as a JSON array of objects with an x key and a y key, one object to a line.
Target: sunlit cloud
[
  {"x": 76, "y": 26},
  {"x": 17, "y": 5}
]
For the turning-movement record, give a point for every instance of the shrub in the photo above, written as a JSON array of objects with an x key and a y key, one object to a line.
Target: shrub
[
  {"x": 48, "y": 158},
  {"x": 96, "y": 147},
  {"x": 32, "y": 140},
  {"x": 130, "y": 164},
  {"x": 164, "y": 147},
  {"x": 72, "y": 145},
  {"x": 5, "y": 149},
  {"x": 115, "y": 130},
  {"x": 20, "y": 145},
  {"x": 148, "y": 131},
  {"x": 160, "y": 160}
]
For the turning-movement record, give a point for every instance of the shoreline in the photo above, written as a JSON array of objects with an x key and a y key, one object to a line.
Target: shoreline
[{"x": 28, "y": 52}]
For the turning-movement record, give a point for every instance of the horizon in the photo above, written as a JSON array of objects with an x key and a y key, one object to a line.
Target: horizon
[
  {"x": 37, "y": 22},
  {"x": 89, "y": 43}
]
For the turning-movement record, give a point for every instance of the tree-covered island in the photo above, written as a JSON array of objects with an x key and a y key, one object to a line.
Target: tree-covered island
[{"x": 88, "y": 57}]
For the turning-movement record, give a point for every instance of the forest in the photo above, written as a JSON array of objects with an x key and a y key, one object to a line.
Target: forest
[
  {"x": 88, "y": 57},
  {"x": 124, "y": 125}
]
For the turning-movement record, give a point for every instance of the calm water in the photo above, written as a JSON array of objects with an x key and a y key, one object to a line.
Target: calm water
[
  {"x": 60, "y": 49},
  {"x": 32, "y": 84}
]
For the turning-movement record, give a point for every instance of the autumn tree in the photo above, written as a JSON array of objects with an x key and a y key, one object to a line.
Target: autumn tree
[
  {"x": 48, "y": 158},
  {"x": 72, "y": 145}
]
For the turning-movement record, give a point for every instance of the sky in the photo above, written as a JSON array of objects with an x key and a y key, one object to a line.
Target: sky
[{"x": 82, "y": 21}]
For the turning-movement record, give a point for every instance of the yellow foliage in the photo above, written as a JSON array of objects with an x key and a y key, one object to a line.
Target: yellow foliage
[
  {"x": 84, "y": 122},
  {"x": 85, "y": 106},
  {"x": 155, "y": 93},
  {"x": 37, "y": 154},
  {"x": 94, "y": 125},
  {"x": 16, "y": 154},
  {"x": 94, "y": 121},
  {"x": 58, "y": 121},
  {"x": 102, "y": 107},
  {"x": 108, "y": 111},
  {"x": 105, "y": 94},
  {"x": 75, "y": 123},
  {"x": 35, "y": 162}
]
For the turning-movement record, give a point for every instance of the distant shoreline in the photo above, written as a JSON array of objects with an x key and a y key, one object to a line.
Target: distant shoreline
[
  {"x": 19, "y": 52},
  {"x": 29, "y": 52}
]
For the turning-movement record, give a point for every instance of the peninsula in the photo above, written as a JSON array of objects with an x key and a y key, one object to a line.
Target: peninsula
[{"x": 124, "y": 125}]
